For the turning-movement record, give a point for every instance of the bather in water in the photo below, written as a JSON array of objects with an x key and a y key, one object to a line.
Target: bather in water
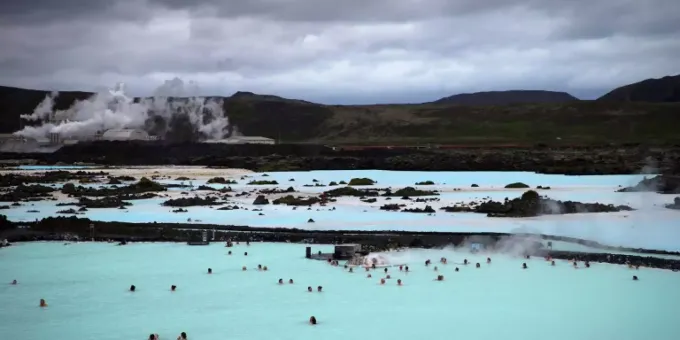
[
  {"x": 182, "y": 336},
  {"x": 312, "y": 320}
]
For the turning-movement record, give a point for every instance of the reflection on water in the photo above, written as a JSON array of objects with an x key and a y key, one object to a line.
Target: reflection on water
[{"x": 86, "y": 286}]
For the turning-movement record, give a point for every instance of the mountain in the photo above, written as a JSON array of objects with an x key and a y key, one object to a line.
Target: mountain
[
  {"x": 662, "y": 90},
  {"x": 507, "y": 98},
  {"x": 571, "y": 122}
]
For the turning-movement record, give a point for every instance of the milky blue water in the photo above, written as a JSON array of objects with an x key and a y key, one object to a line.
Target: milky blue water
[
  {"x": 651, "y": 226},
  {"x": 53, "y": 167},
  {"x": 86, "y": 288}
]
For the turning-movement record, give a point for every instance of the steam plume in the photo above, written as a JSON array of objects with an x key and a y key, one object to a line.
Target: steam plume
[{"x": 171, "y": 114}]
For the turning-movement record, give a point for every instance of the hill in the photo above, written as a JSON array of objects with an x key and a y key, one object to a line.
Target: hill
[
  {"x": 571, "y": 123},
  {"x": 507, "y": 98},
  {"x": 662, "y": 90}
]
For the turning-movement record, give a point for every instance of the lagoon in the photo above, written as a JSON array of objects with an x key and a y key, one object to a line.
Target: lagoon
[{"x": 85, "y": 285}]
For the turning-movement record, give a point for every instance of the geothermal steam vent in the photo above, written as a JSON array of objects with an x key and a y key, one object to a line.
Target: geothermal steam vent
[{"x": 172, "y": 114}]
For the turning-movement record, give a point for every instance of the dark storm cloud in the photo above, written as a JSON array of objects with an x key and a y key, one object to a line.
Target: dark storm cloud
[{"x": 340, "y": 51}]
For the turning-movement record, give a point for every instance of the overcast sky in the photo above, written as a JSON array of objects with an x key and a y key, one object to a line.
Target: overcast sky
[{"x": 341, "y": 51}]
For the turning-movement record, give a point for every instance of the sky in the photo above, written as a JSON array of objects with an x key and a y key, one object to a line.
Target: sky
[{"x": 339, "y": 52}]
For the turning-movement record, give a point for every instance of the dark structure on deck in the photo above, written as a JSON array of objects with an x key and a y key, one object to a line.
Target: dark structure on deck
[
  {"x": 199, "y": 239},
  {"x": 341, "y": 252}
]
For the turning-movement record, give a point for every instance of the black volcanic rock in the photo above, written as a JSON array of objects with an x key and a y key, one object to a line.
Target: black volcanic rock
[
  {"x": 190, "y": 201},
  {"x": 260, "y": 200},
  {"x": 663, "y": 184},
  {"x": 531, "y": 204},
  {"x": 662, "y": 90},
  {"x": 25, "y": 192},
  {"x": 507, "y": 97}
]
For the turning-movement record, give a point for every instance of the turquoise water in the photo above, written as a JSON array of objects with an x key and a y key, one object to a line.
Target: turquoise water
[
  {"x": 651, "y": 226},
  {"x": 86, "y": 287}
]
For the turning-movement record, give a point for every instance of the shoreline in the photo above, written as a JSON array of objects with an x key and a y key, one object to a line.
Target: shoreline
[{"x": 600, "y": 160}]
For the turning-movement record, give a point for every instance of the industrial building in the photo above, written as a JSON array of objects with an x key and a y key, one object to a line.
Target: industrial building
[
  {"x": 243, "y": 140},
  {"x": 124, "y": 135}
]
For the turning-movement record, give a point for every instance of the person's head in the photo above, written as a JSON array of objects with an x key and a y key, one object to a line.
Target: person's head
[
  {"x": 132, "y": 288},
  {"x": 312, "y": 320},
  {"x": 209, "y": 270},
  {"x": 290, "y": 281},
  {"x": 245, "y": 254},
  {"x": 309, "y": 288},
  {"x": 183, "y": 335},
  {"x": 173, "y": 287},
  {"x": 152, "y": 336},
  {"x": 319, "y": 288},
  {"x": 280, "y": 281}
]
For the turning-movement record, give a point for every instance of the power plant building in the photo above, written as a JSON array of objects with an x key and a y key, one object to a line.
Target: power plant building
[
  {"x": 243, "y": 140},
  {"x": 124, "y": 134}
]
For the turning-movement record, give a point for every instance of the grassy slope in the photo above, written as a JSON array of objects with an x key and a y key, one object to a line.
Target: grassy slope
[{"x": 581, "y": 122}]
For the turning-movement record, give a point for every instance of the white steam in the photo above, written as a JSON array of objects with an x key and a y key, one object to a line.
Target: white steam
[{"x": 113, "y": 109}]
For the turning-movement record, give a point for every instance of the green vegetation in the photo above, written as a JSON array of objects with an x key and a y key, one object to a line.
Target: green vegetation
[
  {"x": 361, "y": 181},
  {"x": 263, "y": 183},
  {"x": 221, "y": 180}
]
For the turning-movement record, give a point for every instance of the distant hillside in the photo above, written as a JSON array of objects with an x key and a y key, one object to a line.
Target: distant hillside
[
  {"x": 663, "y": 90},
  {"x": 507, "y": 98},
  {"x": 571, "y": 122}
]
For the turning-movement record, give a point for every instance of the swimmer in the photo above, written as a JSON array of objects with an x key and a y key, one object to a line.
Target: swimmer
[
  {"x": 587, "y": 264},
  {"x": 345, "y": 266},
  {"x": 245, "y": 254},
  {"x": 524, "y": 266},
  {"x": 14, "y": 282},
  {"x": 182, "y": 336},
  {"x": 319, "y": 289},
  {"x": 399, "y": 282},
  {"x": 488, "y": 260},
  {"x": 456, "y": 269},
  {"x": 309, "y": 289},
  {"x": 229, "y": 253},
  {"x": 635, "y": 278},
  {"x": 290, "y": 281},
  {"x": 406, "y": 269},
  {"x": 351, "y": 270},
  {"x": 382, "y": 281},
  {"x": 173, "y": 288},
  {"x": 132, "y": 288},
  {"x": 244, "y": 268},
  {"x": 427, "y": 263},
  {"x": 575, "y": 265},
  {"x": 478, "y": 265},
  {"x": 440, "y": 277},
  {"x": 209, "y": 270},
  {"x": 385, "y": 270},
  {"x": 153, "y": 337},
  {"x": 369, "y": 275},
  {"x": 401, "y": 268},
  {"x": 259, "y": 267},
  {"x": 465, "y": 262},
  {"x": 280, "y": 281},
  {"x": 44, "y": 304},
  {"x": 373, "y": 265},
  {"x": 552, "y": 263},
  {"x": 264, "y": 268},
  {"x": 367, "y": 269},
  {"x": 388, "y": 277},
  {"x": 435, "y": 268},
  {"x": 312, "y": 320},
  {"x": 528, "y": 257}
]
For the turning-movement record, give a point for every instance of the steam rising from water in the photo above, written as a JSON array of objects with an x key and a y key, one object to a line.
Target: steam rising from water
[{"x": 172, "y": 113}]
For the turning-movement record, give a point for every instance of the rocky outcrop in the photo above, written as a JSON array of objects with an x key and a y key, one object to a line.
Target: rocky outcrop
[
  {"x": 221, "y": 180},
  {"x": 428, "y": 209},
  {"x": 531, "y": 204},
  {"x": 349, "y": 191},
  {"x": 675, "y": 205},
  {"x": 361, "y": 181},
  {"x": 106, "y": 202},
  {"x": 409, "y": 192},
  {"x": 260, "y": 200},
  {"x": 25, "y": 192},
  {"x": 143, "y": 186},
  {"x": 517, "y": 185},
  {"x": 663, "y": 184},
  {"x": 191, "y": 201},
  {"x": 7, "y": 180},
  {"x": 297, "y": 201}
]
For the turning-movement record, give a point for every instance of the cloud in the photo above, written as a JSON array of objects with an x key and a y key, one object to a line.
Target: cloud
[{"x": 340, "y": 52}]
